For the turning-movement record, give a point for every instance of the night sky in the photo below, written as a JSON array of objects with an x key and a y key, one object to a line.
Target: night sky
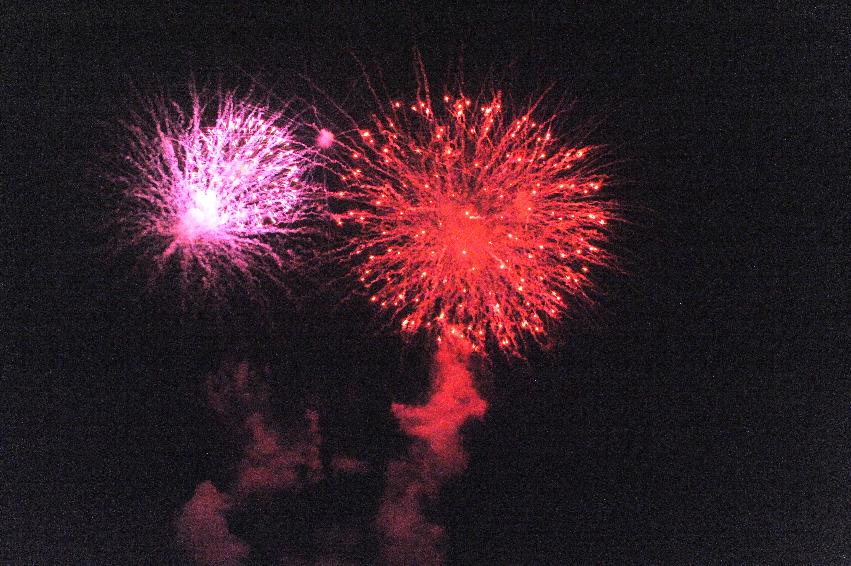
[{"x": 698, "y": 415}]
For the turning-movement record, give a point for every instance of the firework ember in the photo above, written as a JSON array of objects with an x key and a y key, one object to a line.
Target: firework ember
[
  {"x": 212, "y": 188},
  {"x": 472, "y": 223}
]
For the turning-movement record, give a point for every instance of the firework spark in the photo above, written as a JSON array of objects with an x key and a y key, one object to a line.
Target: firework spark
[
  {"x": 213, "y": 189},
  {"x": 472, "y": 223}
]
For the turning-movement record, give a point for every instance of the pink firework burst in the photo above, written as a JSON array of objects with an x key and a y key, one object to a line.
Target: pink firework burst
[
  {"x": 217, "y": 190},
  {"x": 471, "y": 222}
]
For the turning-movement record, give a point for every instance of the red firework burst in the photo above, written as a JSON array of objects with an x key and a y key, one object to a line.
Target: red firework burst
[{"x": 471, "y": 222}]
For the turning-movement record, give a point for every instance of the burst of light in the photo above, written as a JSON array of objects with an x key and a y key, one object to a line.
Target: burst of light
[
  {"x": 325, "y": 138},
  {"x": 470, "y": 222},
  {"x": 215, "y": 190}
]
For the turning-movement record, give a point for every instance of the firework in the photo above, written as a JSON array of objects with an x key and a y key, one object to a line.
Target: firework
[
  {"x": 215, "y": 190},
  {"x": 472, "y": 223},
  {"x": 325, "y": 138}
]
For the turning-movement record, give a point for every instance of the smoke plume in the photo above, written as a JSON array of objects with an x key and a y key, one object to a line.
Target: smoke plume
[
  {"x": 435, "y": 456},
  {"x": 203, "y": 530},
  {"x": 269, "y": 464}
]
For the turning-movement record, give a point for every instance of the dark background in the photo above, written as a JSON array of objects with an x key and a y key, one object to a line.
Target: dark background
[{"x": 699, "y": 416}]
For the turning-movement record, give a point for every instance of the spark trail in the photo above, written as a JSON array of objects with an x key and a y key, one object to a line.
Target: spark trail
[
  {"x": 216, "y": 191},
  {"x": 472, "y": 222}
]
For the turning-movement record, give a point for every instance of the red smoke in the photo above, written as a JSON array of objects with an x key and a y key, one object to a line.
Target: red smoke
[
  {"x": 435, "y": 456},
  {"x": 269, "y": 464},
  {"x": 203, "y": 529}
]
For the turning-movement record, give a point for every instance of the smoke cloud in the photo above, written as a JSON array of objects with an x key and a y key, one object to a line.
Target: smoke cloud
[
  {"x": 203, "y": 530},
  {"x": 269, "y": 465},
  {"x": 272, "y": 462},
  {"x": 436, "y": 455}
]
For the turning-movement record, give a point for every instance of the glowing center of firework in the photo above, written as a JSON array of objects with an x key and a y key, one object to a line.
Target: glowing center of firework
[
  {"x": 465, "y": 234},
  {"x": 204, "y": 216}
]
